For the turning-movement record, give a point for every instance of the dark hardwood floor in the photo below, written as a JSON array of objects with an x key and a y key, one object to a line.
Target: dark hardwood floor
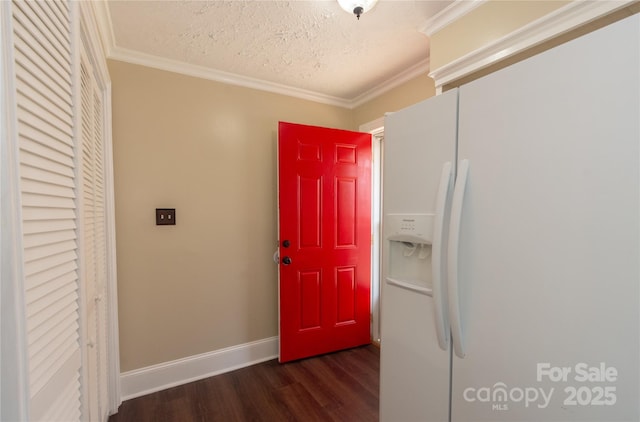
[{"x": 342, "y": 386}]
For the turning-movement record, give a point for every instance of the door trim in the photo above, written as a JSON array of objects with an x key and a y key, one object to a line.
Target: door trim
[{"x": 376, "y": 129}]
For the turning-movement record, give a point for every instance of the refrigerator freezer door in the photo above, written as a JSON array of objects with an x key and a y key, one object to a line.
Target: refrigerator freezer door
[
  {"x": 549, "y": 240},
  {"x": 414, "y": 370}
]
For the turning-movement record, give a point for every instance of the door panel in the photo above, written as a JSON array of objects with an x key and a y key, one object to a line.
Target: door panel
[{"x": 324, "y": 204}]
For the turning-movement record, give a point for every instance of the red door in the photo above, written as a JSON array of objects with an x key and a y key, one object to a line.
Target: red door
[{"x": 324, "y": 196}]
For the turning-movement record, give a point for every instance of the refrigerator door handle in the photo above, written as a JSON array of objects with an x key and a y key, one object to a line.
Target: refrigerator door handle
[
  {"x": 452, "y": 258},
  {"x": 439, "y": 288}
]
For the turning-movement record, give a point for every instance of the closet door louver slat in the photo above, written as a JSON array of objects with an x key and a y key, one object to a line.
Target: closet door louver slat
[
  {"x": 101, "y": 248},
  {"x": 44, "y": 100},
  {"x": 88, "y": 223},
  {"x": 94, "y": 238},
  {"x": 42, "y": 157}
]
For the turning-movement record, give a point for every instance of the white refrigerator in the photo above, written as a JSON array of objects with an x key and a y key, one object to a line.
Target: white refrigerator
[{"x": 511, "y": 250}]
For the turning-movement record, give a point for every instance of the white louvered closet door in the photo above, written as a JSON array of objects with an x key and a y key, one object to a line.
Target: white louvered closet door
[
  {"x": 94, "y": 240},
  {"x": 42, "y": 33}
]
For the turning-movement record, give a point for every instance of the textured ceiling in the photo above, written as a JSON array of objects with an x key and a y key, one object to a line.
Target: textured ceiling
[{"x": 307, "y": 45}]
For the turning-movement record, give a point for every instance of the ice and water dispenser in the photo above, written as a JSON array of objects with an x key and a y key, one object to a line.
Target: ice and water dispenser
[{"x": 409, "y": 238}]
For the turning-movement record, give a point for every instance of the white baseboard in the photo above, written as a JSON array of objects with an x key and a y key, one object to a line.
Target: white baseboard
[{"x": 181, "y": 371}]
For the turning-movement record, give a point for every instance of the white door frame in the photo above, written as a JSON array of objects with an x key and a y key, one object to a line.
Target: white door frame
[{"x": 376, "y": 129}]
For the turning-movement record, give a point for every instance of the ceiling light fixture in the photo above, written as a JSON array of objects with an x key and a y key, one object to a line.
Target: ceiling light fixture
[{"x": 357, "y": 7}]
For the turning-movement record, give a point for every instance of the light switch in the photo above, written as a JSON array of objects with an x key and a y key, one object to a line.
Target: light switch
[{"x": 165, "y": 216}]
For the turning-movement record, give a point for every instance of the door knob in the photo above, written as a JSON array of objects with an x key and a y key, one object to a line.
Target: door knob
[{"x": 286, "y": 260}]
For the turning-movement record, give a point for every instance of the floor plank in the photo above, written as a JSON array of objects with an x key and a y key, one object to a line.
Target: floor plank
[{"x": 341, "y": 386}]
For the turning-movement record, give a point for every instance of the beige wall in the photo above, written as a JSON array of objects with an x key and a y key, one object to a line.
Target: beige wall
[
  {"x": 485, "y": 24},
  {"x": 409, "y": 93},
  {"x": 208, "y": 150}
]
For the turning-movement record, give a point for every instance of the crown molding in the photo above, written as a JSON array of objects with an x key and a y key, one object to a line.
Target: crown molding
[
  {"x": 420, "y": 68},
  {"x": 448, "y": 15},
  {"x": 566, "y": 18},
  {"x": 203, "y": 72}
]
